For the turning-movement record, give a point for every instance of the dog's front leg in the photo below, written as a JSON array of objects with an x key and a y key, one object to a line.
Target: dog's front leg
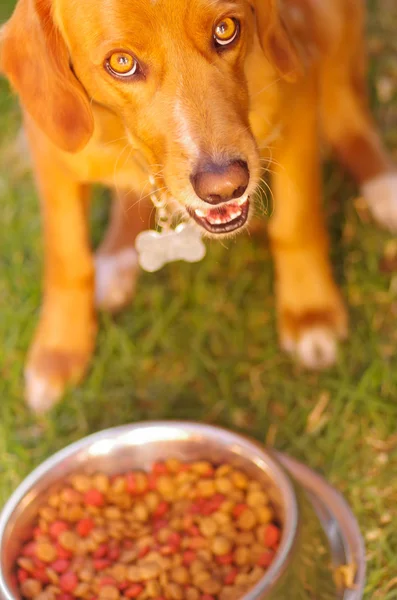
[
  {"x": 311, "y": 314},
  {"x": 65, "y": 336}
]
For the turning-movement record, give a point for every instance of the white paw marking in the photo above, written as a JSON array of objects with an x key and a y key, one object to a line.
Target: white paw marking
[
  {"x": 40, "y": 394},
  {"x": 316, "y": 348},
  {"x": 115, "y": 278},
  {"x": 380, "y": 194}
]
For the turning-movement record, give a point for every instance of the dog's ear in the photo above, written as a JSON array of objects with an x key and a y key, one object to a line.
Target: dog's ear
[
  {"x": 276, "y": 40},
  {"x": 35, "y": 59}
]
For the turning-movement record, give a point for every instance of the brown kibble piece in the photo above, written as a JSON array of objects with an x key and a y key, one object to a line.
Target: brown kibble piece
[
  {"x": 210, "y": 586},
  {"x": 81, "y": 483},
  {"x": 223, "y": 485},
  {"x": 247, "y": 520},
  {"x": 208, "y": 527},
  {"x": 240, "y": 480},
  {"x": 180, "y": 575},
  {"x": 152, "y": 589},
  {"x": 175, "y": 591},
  {"x": 109, "y": 592},
  {"x": 221, "y": 545},
  {"x": 31, "y": 588},
  {"x": 242, "y": 556},
  {"x": 46, "y": 552},
  {"x": 68, "y": 540}
]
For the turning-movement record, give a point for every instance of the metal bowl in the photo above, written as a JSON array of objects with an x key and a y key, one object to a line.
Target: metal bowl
[{"x": 319, "y": 532}]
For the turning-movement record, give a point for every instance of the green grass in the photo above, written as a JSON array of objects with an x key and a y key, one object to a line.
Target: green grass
[{"x": 199, "y": 342}]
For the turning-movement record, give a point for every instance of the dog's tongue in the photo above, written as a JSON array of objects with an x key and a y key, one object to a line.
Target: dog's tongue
[{"x": 221, "y": 214}]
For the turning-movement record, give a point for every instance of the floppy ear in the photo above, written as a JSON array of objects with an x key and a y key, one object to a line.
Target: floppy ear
[
  {"x": 276, "y": 40},
  {"x": 34, "y": 57}
]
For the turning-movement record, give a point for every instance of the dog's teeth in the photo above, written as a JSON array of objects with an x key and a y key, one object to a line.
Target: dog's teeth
[
  {"x": 200, "y": 213},
  {"x": 242, "y": 201}
]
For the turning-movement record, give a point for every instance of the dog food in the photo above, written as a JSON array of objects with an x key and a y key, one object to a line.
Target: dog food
[{"x": 184, "y": 531}]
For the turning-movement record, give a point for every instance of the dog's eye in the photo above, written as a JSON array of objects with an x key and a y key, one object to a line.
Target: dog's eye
[
  {"x": 122, "y": 64},
  {"x": 226, "y": 32}
]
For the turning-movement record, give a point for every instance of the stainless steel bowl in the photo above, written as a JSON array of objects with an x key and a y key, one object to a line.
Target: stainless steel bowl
[{"x": 319, "y": 531}]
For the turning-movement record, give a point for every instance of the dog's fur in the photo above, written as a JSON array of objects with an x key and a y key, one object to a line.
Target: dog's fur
[{"x": 297, "y": 72}]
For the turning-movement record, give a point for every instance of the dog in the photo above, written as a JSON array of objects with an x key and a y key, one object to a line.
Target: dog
[{"x": 199, "y": 97}]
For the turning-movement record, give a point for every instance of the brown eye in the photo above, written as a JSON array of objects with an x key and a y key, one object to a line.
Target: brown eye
[
  {"x": 122, "y": 64},
  {"x": 226, "y": 31}
]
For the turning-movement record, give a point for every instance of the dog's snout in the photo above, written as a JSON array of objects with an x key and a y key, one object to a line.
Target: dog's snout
[{"x": 216, "y": 183}]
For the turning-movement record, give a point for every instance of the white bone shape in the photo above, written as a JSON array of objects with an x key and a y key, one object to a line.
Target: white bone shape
[{"x": 157, "y": 249}]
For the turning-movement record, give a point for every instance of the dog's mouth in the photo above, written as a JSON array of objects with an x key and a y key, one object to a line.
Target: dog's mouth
[{"x": 222, "y": 219}]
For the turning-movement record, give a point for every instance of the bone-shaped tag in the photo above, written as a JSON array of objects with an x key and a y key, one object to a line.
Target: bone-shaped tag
[{"x": 157, "y": 249}]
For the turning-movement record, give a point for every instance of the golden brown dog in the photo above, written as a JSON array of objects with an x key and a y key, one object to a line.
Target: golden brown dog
[{"x": 205, "y": 91}]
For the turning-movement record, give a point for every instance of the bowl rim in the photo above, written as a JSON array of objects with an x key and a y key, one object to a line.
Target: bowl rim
[{"x": 273, "y": 468}]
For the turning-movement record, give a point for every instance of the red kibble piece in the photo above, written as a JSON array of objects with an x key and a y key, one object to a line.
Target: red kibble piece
[
  {"x": 94, "y": 498},
  {"x": 218, "y": 499},
  {"x": 174, "y": 539},
  {"x": 239, "y": 509},
  {"x": 134, "y": 590},
  {"x": 68, "y": 581},
  {"x": 114, "y": 554},
  {"x": 60, "y": 566},
  {"x": 226, "y": 559},
  {"x": 159, "y": 524},
  {"x": 101, "y": 563},
  {"x": 271, "y": 536},
  {"x": 123, "y": 585},
  {"x": 152, "y": 481},
  {"x": 265, "y": 560},
  {"x": 143, "y": 551},
  {"x": 101, "y": 551},
  {"x": 84, "y": 527},
  {"x": 41, "y": 575},
  {"x": 194, "y": 530},
  {"x": 107, "y": 581},
  {"x": 161, "y": 509},
  {"x": 189, "y": 556},
  {"x": 29, "y": 549},
  {"x": 37, "y": 532},
  {"x": 58, "y": 527},
  {"x": 63, "y": 553},
  {"x": 22, "y": 575},
  {"x": 131, "y": 483},
  {"x": 195, "y": 509},
  {"x": 231, "y": 577},
  {"x": 159, "y": 468},
  {"x": 38, "y": 563}
]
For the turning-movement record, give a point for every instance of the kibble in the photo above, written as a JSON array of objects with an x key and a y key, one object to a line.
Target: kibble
[{"x": 184, "y": 531}]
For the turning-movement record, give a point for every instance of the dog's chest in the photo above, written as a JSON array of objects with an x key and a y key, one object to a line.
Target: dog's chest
[{"x": 264, "y": 93}]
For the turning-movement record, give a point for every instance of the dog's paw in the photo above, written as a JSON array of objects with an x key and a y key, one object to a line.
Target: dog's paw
[
  {"x": 312, "y": 338},
  {"x": 380, "y": 194},
  {"x": 48, "y": 375},
  {"x": 115, "y": 279},
  {"x": 61, "y": 350}
]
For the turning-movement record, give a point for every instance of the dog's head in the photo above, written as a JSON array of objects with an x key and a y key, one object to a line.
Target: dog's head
[{"x": 172, "y": 70}]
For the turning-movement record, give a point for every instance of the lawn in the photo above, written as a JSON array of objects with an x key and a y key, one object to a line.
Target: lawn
[{"x": 199, "y": 342}]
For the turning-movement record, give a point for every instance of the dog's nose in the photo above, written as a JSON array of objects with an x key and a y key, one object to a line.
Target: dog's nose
[{"x": 216, "y": 183}]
